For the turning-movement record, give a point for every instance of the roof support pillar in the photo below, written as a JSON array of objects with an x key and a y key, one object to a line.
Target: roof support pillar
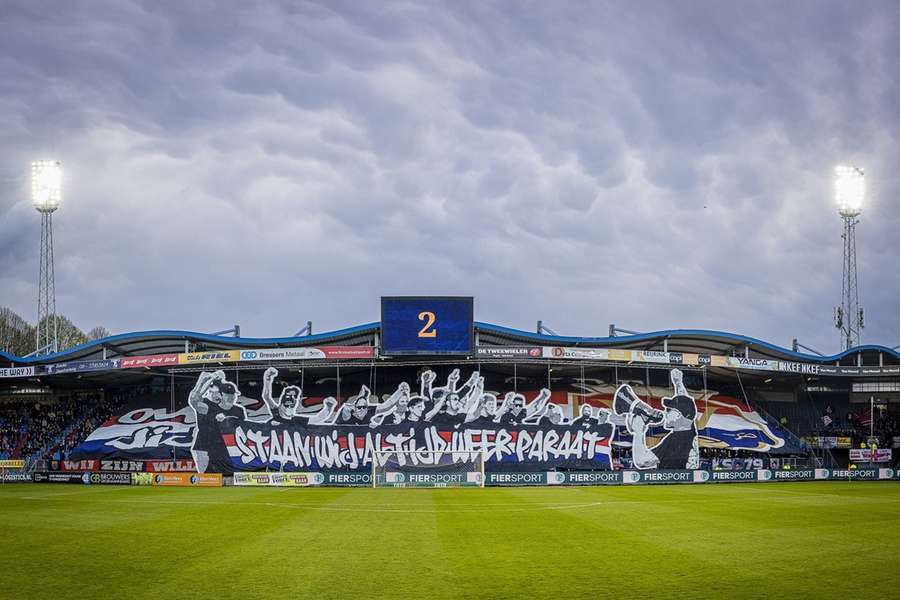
[
  {"x": 542, "y": 329},
  {"x": 666, "y": 345}
]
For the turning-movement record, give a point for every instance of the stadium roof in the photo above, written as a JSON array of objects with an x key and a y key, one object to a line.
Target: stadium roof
[{"x": 674, "y": 340}]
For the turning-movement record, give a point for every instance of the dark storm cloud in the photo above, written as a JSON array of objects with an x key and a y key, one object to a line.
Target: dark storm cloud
[{"x": 655, "y": 165}]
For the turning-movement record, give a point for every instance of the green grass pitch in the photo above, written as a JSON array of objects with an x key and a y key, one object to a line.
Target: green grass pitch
[{"x": 776, "y": 540}]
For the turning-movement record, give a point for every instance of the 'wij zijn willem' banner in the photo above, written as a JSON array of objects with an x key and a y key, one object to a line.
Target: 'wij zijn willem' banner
[{"x": 124, "y": 465}]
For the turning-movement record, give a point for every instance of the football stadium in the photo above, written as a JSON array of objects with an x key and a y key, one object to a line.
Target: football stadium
[
  {"x": 425, "y": 179},
  {"x": 662, "y": 463}
]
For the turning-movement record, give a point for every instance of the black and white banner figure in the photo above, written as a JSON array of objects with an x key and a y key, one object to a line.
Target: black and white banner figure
[
  {"x": 679, "y": 447},
  {"x": 283, "y": 432},
  {"x": 283, "y": 409},
  {"x": 214, "y": 401},
  {"x": 286, "y": 428}
]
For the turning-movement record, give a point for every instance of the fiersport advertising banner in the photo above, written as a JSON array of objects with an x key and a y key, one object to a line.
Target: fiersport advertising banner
[
  {"x": 574, "y": 428},
  {"x": 584, "y": 478},
  {"x": 554, "y": 478},
  {"x": 498, "y": 478}
]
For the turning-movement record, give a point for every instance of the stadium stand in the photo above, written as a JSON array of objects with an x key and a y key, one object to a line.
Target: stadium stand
[
  {"x": 138, "y": 368},
  {"x": 833, "y": 416},
  {"x": 34, "y": 430}
]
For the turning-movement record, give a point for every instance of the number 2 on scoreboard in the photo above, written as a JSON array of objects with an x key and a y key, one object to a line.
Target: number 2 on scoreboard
[{"x": 428, "y": 330}]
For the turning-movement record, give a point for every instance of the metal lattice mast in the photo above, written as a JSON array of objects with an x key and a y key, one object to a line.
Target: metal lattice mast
[
  {"x": 47, "y": 326},
  {"x": 850, "y": 313},
  {"x": 848, "y": 317},
  {"x": 46, "y": 193}
]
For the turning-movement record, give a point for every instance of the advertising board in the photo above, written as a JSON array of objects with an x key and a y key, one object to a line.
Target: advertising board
[{"x": 188, "y": 479}]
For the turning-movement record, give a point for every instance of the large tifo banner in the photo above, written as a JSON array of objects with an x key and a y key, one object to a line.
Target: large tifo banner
[{"x": 223, "y": 431}]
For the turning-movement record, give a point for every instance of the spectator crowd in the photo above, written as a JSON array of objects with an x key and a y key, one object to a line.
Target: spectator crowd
[
  {"x": 860, "y": 424},
  {"x": 34, "y": 429}
]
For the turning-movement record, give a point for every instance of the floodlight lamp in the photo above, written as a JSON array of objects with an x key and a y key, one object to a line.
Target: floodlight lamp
[
  {"x": 46, "y": 185},
  {"x": 850, "y": 189}
]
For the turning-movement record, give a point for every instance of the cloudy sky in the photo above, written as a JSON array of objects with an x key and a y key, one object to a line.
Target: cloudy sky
[{"x": 650, "y": 164}]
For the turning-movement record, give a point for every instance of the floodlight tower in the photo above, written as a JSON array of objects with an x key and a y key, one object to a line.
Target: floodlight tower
[
  {"x": 46, "y": 193},
  {"x": 850, "y": 191}
]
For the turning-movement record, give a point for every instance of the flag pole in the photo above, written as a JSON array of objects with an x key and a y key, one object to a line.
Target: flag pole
[{"x": 871, "y": 416}]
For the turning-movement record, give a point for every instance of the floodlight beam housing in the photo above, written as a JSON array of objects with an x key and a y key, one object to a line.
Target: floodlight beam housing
[
  {"x": 849, "y": 190},
  {"x": 46, "y": 185}
]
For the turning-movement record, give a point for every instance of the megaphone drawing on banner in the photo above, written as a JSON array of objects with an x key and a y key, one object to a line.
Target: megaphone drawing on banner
[{"x": 626, "y": 402}]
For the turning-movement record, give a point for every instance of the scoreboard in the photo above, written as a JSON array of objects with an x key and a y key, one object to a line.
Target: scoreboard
[{"x": 427, "y": 325}]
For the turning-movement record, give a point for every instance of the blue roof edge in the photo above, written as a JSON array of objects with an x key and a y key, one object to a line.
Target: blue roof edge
[
  {"x": 667, "y": 333},
  {"x": 537, "y": 338},
  {"x": 170, "y": 333}
]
